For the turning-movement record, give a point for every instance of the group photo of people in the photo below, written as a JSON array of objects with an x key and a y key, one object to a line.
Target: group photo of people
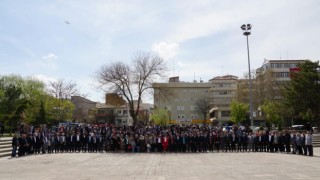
[{"x": 194, "y": 138}]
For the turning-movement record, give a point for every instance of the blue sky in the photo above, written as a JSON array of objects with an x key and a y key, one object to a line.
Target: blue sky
[{"x": 197, "y": 38}]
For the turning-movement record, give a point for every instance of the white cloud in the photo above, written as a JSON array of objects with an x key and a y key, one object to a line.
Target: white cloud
[
  {"x": 50, "y": 60},
  {"x": 166, "y": 50},
  {"x": 44, "y": 78}
]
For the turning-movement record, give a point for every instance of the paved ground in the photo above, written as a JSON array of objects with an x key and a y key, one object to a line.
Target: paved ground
[{"x": 162, "y": 166}]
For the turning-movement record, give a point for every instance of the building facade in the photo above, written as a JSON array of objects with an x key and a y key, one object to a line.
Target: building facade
[
  {"x": 222, "y": 92},
  {"x": 82, "y": 108},
  {"x": 116, "y": 111},
  {"x": 272, "y": 76},
  {"x": 269, "y": 80},
  {"x": 182, "y": 103},
  {"x": 115, "y": 115}
]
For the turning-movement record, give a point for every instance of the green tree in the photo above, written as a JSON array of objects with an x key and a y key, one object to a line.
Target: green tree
[
  {"x": 58, "y": 110},
  {"x": 31, "y": 91},
  {"x": 238, "y": 111},
  {"x": 302, "y": 93},
  {"x": 12, "y": 105},
  {"x": 41, "y": 118},
  {"x": 160, "y": 116},
  {"x": 272, "y": 111}
]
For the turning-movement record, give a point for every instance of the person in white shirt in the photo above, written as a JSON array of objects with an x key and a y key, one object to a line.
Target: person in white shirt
[{"x": 309, "y": 142}]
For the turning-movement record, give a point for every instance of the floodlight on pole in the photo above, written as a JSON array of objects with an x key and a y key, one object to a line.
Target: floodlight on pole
[{"x": 246, "y": 28}]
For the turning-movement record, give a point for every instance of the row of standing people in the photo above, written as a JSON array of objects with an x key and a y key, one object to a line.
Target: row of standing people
[
  {"x": 162, "y": 139},
  {"x": 228, "y": 141}
]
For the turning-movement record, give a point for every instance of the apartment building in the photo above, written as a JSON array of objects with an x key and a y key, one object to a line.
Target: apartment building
[
  {"x": 272, "y": 75},
  {"x": 182, "y": 99},
  {"x": 222, "y": 92}
]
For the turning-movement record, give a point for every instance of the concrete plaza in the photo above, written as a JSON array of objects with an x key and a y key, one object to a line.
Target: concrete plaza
[{"x": 162, "y": 166}]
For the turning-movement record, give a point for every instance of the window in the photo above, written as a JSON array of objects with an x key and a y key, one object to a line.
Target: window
[
  {"x": 178, "y": 108},
  {"x": 194, "y": 116},
  {"x": 182, "y": 108},
  {"x": 178, "y": 116},
  {"x": 195, "y": 108},
  {"x": 286, "y": 65},
  {"x": 280, "y": 74},
  {"x": 223, "y": 92},
  {"x": 293, "y": 65},
  {"x": 225, "y": 113},
  {"x": 191, "y": 108}
]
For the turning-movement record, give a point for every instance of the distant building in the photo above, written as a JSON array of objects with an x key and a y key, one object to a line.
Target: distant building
[
  {"x": 273, "y": 75},
  {"x": 116, "y": 115},
  {"x": 82, "y": 108},
  {"x": 269, "y": 79},
  {"x": 222, "y": 92},
  {"x": 182, "y": 101},
  {"x": 116, "y": 111}
]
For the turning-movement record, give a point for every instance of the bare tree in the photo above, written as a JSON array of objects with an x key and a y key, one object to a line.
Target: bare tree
[
  {"x": 163, "y": 92},
  {"x": 63, "y": 90},
  {"x": 132, "y": 81},
  {"x": 203, "y": 105}
]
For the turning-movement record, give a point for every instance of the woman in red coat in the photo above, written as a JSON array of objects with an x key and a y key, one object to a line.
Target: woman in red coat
[{"x": 165, "y": 141}]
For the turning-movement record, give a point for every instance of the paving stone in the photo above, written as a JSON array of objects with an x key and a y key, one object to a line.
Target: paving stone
[{"x": 160, "y": 166}]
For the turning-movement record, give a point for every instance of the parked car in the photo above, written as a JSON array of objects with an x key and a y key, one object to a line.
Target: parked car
[{"x": 227, "y": 128}]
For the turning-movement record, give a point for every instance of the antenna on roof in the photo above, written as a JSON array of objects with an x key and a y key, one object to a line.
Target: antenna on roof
[
  {"x": 194, "y": 76},
  {"x": 172, "y": 66}
]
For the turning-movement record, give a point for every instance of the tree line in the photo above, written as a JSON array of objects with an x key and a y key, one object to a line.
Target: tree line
[{"x": 29, "y": 100}]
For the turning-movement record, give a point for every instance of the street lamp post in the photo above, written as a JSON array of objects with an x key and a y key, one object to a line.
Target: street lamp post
[{"x": 246, "y": 28}]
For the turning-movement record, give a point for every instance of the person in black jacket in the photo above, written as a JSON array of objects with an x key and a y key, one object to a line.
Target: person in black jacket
[
  {"x": 36, "y": 143},
  {"x": 56, "y": 143},
  {"x": 270, "y": 145},
  {"x": 281, "y": 142},
  {"x": 287, "y": 140},
  {"x": 14, "y": 146},
  {"x": 227, "y": 140},
  {"x": 29, "y": 149},
  {"x": 216, "y": 141},
  {"x": 22, "y": 143},
  {"x": 244, "y": 141}
]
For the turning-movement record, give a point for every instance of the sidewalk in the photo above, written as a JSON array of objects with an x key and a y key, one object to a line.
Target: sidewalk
[{"x": 162, "y": 166}]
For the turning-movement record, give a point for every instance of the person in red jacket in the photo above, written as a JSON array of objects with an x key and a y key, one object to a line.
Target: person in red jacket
[{"x": 165, "y": 141}]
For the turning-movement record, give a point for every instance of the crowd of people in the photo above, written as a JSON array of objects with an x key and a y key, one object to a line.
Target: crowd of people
[{"x": 171, "y": 138}]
